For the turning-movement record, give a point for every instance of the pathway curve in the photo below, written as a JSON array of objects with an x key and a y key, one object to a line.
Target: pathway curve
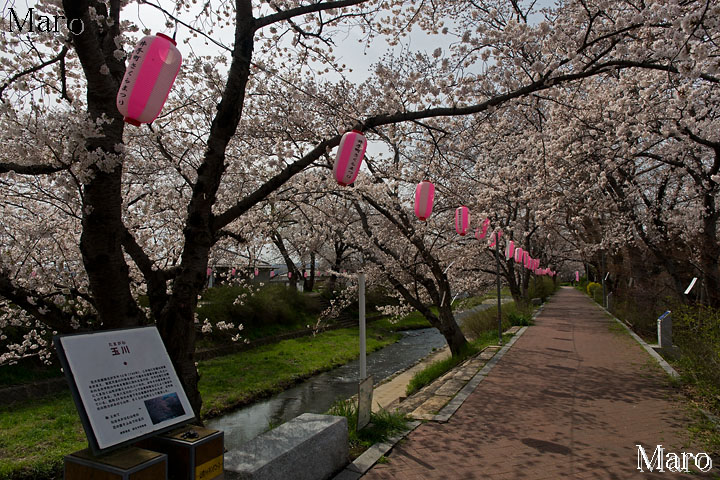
[{"x": 571, "y": 399}]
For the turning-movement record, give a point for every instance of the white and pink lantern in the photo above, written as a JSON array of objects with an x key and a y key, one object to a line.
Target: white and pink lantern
[
  {"x": 510, "y": 250},
  {"x": 482, "y": 231},
  {"x": 256, "y": 272},
  {"x": 349, "y": 157},
  {"x": 577, "y": 276},
  {"x": 424, "y": 197},
  {"x": 149, "y": 76},
  {"x": 462, "y": 219},
  {"x": 495, "y": 238},
  {"x": 518, "y": 255},
  {"x": 305, "y": 275}
]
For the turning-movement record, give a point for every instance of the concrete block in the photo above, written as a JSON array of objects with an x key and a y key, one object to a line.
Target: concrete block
[{"x": 309, "y": 447}]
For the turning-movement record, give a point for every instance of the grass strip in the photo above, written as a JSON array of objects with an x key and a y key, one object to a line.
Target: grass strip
[
  {"x": 439, "y": 368},
  {"x": 383, "y": 425},
  {"x": 37, "y": 435}
]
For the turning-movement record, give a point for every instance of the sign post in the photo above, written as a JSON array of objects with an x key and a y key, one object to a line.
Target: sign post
[
  {"x": 124, "y": 385},
  {"x": 664, "y": 326}
]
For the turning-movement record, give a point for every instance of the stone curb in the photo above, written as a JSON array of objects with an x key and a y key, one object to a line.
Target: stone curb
[
  {"x": 364, "y": 462},
  {"x": 661, "y": 361}
]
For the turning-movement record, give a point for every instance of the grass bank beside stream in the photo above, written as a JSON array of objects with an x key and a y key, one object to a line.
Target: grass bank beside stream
[{"x": 36, "y": 435}]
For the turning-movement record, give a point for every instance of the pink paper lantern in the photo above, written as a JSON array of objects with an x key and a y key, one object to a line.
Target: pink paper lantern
[
  {"x": 424, "y": 196},
  {"x": 577, "y": 276},
  {"x": 495, "y": 238},
  {"x": 209, "y": 271},
  {"x": 150, "y": 74},
  {"x": 289, "y": 274},
  {"x": 518, "y": 255},
  {"x": 510, "y": 250},
  {"x": 349, "y": 157},
  {"x": 305, "y": 275},
  {"x": 480, "y": 233},
  {"x": 232, "y": 272},
  {"x": 256, "y": 272},
  {"x": 272, "y": 273},
  {"x": 462, "y": 219}
]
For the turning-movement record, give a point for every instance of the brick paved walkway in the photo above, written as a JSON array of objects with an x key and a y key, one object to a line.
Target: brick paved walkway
[{"x": 571, "y": 399}]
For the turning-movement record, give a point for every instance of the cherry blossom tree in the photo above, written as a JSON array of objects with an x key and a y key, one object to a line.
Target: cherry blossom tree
[{"x": 102, "y": 213}]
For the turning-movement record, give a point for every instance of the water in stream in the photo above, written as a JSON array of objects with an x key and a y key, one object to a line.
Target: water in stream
[{"x": 317, "y": 394}]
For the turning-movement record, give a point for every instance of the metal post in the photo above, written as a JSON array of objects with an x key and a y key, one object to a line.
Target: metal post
[
  {"x": 361, "y": 305},
  {"x": 602, "y": 272},
  {"x": 497, "y": 274}
]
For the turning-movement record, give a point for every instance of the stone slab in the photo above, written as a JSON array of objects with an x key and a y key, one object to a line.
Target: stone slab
[
  {"x": 450, "y": 387},
  {"x": 309, "y": 447},
  {"x": 466, "y": 373},
  {"x": 488, "y": 353},
  {"x": 431, "y": 405}
]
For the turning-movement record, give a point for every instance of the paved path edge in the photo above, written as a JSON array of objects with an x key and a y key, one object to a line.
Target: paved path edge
[{"x": 661, "y": 361}]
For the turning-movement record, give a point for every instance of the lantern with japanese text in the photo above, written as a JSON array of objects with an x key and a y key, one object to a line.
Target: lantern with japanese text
[
  {"x": 462, "y": 219},
  {"x": 150, "y": 74},
  {"x": 424, "y": 196},
  {"x": 349, "y": 157}
]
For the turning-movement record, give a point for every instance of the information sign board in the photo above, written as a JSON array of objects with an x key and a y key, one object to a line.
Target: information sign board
[{"x": 124, "y": 385}]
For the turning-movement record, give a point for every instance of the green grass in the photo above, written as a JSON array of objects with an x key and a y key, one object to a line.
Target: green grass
[
  {"x": 36, "y": 435},
  {"x": 412, "y": 321},
  {"x": 383, "y": 425},
  {"x": 439, "y": 368}
]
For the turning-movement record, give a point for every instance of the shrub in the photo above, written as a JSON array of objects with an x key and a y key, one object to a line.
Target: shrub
[
  {"x": 696, "y": 331},
  {"x": 486, "y": 320},
  {"x": 273, "y": 305},
  {"x": 592, "y": 287},
  {"x": 541, "y": 287}
]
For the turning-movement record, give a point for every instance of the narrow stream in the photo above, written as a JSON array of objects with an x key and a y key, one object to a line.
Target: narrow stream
[{"x": 317, "y": 394}]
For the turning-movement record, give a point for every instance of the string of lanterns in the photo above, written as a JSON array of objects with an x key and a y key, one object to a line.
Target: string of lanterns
[{"x": 345, "y": 170}]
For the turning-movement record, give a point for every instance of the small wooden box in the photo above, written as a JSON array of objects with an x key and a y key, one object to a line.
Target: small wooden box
[
  {"x": 130, "y": 463},
  {"x": 194, "y": 453}
]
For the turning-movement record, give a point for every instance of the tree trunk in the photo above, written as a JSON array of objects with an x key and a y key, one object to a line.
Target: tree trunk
[{"x": 450, "y": 330}]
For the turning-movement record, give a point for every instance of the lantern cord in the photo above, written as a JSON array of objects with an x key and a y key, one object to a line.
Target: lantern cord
[{"x": 176, "y": 28}]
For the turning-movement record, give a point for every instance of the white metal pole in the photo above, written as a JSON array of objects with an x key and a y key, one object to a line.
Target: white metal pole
[{"x": 361, "y": 301}]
